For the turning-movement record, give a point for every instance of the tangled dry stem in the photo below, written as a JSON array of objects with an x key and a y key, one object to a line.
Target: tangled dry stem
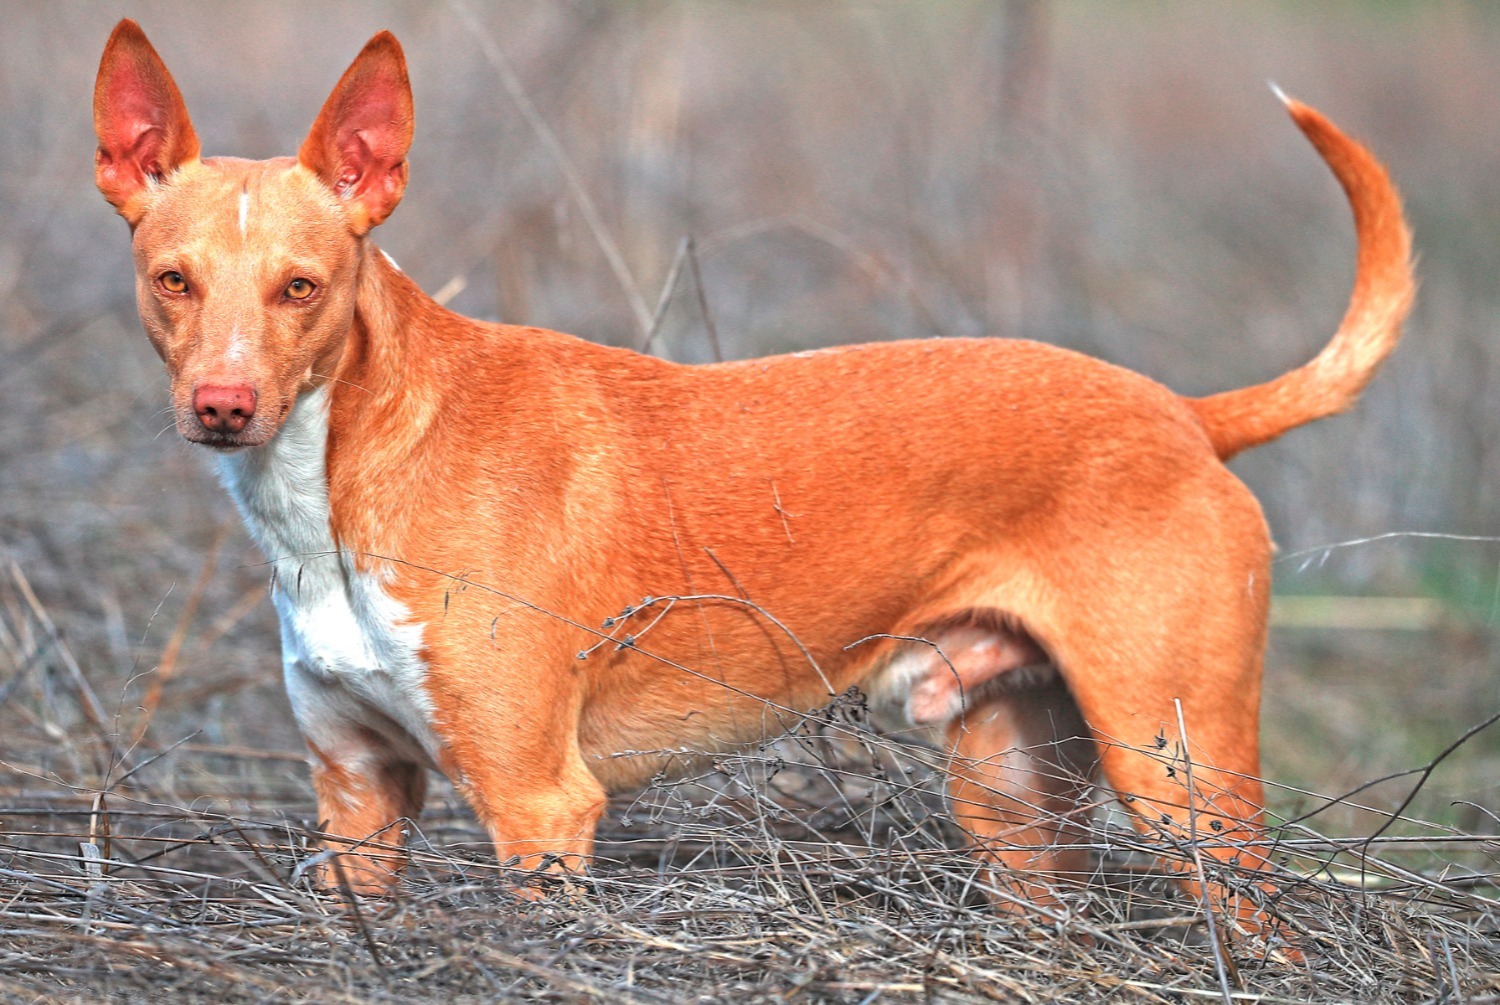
[{"x": 817, "y": 868}]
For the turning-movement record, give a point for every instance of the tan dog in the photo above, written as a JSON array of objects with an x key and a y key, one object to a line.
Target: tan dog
[{"x": 451, "y": 509}]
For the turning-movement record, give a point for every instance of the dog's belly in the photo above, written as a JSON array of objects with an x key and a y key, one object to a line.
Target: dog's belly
[{"x": 675, "y": 707}]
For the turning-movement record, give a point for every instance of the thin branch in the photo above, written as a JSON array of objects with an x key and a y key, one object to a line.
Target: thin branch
[{"x": 513, "y": 87}]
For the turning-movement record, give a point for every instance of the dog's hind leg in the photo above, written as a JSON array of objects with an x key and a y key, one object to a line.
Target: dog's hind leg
[
  {"x": 1162, "y": 650},
  {"x": 1022, "y": 766},
  {"x": 1191, "y": 782}
]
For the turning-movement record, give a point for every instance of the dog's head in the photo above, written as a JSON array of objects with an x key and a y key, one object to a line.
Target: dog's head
[{"x": 246, "y": 271}]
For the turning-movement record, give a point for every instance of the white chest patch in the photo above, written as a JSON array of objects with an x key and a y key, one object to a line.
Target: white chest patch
[{"x": 349, "y": 653}]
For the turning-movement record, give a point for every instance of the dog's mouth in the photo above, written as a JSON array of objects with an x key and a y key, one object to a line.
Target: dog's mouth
[
  {"x": 225, "y": 442},
  {"x": 257, "y": 432}
]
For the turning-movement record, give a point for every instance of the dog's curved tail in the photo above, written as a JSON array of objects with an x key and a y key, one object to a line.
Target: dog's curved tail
[{"x": 1383, "y": 290}]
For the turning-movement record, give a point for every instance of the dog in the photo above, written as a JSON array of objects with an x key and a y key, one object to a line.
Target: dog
[{"x": 1039, "y": 555}]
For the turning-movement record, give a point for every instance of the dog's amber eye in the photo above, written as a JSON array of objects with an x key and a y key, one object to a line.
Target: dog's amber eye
[
  {"x": 300, "y": 289},
  {"x": 173, "y": 282}
]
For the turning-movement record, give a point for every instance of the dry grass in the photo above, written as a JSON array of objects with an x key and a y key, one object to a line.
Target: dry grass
[
  {"x": 816, "y": 868},
  {"x": 1119, "y": 183}
]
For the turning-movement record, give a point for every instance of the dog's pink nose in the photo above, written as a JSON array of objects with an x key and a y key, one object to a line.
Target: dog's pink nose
[{"x": 224, "y": 409}]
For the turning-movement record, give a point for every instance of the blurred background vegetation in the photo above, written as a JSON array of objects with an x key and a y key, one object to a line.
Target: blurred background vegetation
[{"x": 1115, "y": 178}]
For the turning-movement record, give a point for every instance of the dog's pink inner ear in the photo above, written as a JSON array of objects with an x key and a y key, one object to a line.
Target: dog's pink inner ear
[
  {"x": 358, "y": 143},
  {"x": 140, "y": 119}
]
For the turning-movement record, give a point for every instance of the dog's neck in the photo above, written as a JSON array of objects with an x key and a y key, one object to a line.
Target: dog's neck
[
  {"x": 391, "y": 365},
  {"x": 342, "y": 633},
  {"x": 281, "y": 488},
  {"x": 374, "y": 361}
]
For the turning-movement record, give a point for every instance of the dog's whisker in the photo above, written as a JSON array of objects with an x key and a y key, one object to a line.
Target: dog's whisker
[{"x": 339, "y": 380}]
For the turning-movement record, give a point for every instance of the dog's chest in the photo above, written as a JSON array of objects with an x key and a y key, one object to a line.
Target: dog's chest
[{"x": 350, "y": 655}]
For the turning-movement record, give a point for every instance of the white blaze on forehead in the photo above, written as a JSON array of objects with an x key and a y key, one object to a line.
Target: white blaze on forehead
[
  {"x": 244, "y": 213},
  {"x": 237, "y": 350}
]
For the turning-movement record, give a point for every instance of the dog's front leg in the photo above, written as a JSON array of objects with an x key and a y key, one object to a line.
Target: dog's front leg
[
  {"x": 370, "y": 775},
  {"x": 365, "y": 796},
  {"x": 514, "y": 753},
  {"x": 540, "y": 812}
]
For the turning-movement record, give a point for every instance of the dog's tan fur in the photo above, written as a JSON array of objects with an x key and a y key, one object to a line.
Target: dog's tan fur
[{"x": 493, "y": 494}]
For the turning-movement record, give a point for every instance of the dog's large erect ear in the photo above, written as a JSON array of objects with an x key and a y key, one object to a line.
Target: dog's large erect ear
[
  {"x": 142, "y": 124},
  {"x": 358, "y": 144}
]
